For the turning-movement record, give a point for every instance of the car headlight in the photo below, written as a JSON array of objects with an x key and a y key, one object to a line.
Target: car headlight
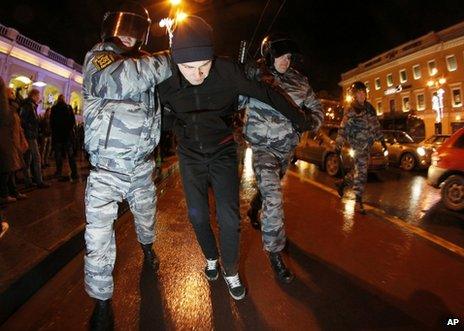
[
  {"x": 351, "y": 152},
  {"x": 420, "y": 151}
]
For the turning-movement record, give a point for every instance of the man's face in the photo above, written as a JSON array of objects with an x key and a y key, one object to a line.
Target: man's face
[
  {"x": 282, "y": 63},
  {"x": 127, "y": 41},
  {"x": 360, "y": 96},
  {"x": 195, "y": 72},
  {"x": 11, "y": 93},
  {"x": 36, "y": 98}
]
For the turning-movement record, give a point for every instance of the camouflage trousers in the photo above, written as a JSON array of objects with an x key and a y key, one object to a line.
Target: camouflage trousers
[
  {"x": 104, "y": 190},
  {"x": 357, "y": 177},
  {"x": 270, "y": 166}
]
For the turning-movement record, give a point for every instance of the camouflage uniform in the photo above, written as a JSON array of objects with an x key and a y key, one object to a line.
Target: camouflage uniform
[
  {"x": 360, "y": 128},
  {"x": 122, "y": 127},
  {"x": 273, "y": 140}
]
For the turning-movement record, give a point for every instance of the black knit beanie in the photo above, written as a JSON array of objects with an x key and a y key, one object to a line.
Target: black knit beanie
[{"x": 192, "y": 41}]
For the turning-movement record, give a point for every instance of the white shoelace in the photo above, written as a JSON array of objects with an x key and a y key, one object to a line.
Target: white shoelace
[
  {"x": 233, "y": 281},
  {"x": 211, "y": 264}
]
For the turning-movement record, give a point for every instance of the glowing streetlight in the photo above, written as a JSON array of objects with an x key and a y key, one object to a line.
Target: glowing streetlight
[
  {"x": 181, "y": 16},
  {"x": 442, "y": 81},
  {"x": 175, "y": 2}
]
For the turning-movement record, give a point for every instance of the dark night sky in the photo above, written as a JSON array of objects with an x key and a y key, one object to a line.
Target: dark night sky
[{"x": 334, "y": 36}]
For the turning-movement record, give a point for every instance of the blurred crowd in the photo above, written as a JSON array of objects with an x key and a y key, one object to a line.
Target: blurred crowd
[{"x": 28, "y": 142}]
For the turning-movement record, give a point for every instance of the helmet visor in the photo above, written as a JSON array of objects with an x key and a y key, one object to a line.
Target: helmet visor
[
  {"x": 125, "y": 24},
  {"x": 283, "y": 46}
]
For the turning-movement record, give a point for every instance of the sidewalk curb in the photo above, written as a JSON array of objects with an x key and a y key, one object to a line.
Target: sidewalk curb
[{"x": 31, "y": 281}]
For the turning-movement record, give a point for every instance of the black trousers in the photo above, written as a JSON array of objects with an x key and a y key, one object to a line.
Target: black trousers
[
  {"x": 219, "y": 171},
  {"x": 62, "y": 148}
]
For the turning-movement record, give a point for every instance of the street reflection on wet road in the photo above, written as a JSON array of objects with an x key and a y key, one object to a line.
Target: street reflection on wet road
[{"x": 399, "y": 193}]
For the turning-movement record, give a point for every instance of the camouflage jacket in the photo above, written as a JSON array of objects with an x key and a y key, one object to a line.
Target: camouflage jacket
[
  {"x": 122, "y": 116},
  {"x": 265, "y": 126},
  {"x": 359, "y": 127}
]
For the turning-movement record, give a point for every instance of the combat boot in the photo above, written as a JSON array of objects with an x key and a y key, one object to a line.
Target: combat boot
[
  {"x": 102, "y": 317},
  {"x": 340, "y": 185},
  {"x": 253, "y": 215},
  {"x": 150, "y": 257},
  {"x": 283, "y": 274},
  {"x": 359, "y": 206}
]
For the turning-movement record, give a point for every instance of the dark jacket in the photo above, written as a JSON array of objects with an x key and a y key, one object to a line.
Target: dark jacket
[
  {"x": 204, "y": 113},
  {"x": 62, "y": 123},
  {"x": 12, "y": 141},
  {"x": 29, "y": 119}
]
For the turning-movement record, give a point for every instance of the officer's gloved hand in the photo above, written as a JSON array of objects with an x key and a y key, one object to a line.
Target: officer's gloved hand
[{"x": 306, "y": 123}]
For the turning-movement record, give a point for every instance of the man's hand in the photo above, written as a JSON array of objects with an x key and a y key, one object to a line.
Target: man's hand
[{"x": 306, "y": 124}]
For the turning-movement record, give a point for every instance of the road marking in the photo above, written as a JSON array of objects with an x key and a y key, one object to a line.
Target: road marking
[{"x": 392, "y": 219}]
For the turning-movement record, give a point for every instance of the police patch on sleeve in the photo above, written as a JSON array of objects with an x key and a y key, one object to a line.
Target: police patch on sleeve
[{"x": 102, "y": 60}]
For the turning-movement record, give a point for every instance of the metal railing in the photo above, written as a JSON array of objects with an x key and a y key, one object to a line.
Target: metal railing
[
  {"x": 39, "y": 48},
  {"x": 57, "y": 57},
  {"x": 3, "y": 30}
]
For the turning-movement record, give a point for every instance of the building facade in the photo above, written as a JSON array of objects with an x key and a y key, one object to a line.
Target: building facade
[
  {"x": 423, "y": 77},
  {"x": 26, "y": 64}
]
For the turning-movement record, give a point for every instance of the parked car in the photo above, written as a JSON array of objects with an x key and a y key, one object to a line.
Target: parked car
[
  {"x": 319, "y": 149},
  {"x": 447, "y": 171},
  {"x": 404, "y": 152},
  {"x": 435, "y": 141}
]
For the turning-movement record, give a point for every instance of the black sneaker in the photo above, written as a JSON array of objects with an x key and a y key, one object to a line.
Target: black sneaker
[
  {"x": 211, "y": 269},
  {"x": 236, "y": 289}
]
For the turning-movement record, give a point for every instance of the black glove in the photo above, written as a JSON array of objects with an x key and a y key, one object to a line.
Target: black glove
[{"x": 306, "y": 124}]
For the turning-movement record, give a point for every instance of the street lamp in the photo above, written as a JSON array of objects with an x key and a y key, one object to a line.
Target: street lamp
[
  {"x": 437, "y": 102},
  {"x": 175, "y": 2}
]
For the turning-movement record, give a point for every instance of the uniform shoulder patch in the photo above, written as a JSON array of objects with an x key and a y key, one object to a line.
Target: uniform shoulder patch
[{"x": 102, "y": 60}]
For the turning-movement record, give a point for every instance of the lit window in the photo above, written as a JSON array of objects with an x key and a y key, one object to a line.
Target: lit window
[
  {"x": 420, "y": 101},
  {"x": 377, "y": 83},
  {"x": 403, "y": 76},
  {"x": 389, "y": 79},
  {"x": 405, "y": 103},
  {"x": 451, "y": 63},
  {"x": 379, "y": 108},
  {"x": 456, "y": 97},
  {"x": 417, "y": 71},
  {"x": 432, "y": 65}
]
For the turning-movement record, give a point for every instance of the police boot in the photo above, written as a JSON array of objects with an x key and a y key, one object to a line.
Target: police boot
[
  {"x": 150, "y": 257},
  {"x": 283, "y": 274},
  {"x": 359, "y": 207},
  {"x": 340, "y": 185},
  {"x": 102, "y": 317},
  {"x": 253, "y": 215}
]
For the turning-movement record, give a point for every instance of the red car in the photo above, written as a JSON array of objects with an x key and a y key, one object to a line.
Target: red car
[{"x": 447, "y": 171}]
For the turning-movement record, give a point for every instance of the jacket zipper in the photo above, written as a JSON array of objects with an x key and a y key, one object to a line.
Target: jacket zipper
[{"x": 109, "y": 129}]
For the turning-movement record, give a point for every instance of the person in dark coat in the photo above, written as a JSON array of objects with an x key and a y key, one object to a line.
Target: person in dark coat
[
  {"x": 12, "y": 145},
  {"x": 62, "y": 124},
  {"x": 30, "y": 124}
]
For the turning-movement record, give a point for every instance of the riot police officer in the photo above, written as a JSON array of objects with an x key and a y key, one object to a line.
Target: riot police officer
[
  {"x": 122, "y": 127},
  {"x": 273, "y": 140},
  {"x": 360, "y": 128}
]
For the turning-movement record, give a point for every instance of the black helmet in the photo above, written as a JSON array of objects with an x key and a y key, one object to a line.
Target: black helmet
[
  {"x": 276, "y": 45},
  {"x": 130, "y": 19},
  {"x": 357, "y": 86}
]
